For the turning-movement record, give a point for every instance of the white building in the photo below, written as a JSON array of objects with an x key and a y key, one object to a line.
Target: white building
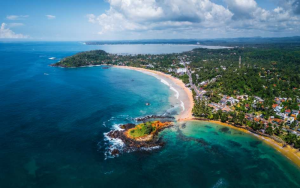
[{"x": 181, "y": 70}]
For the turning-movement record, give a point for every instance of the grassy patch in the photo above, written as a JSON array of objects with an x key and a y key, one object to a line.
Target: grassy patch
[{"x": 142, "y": 130}]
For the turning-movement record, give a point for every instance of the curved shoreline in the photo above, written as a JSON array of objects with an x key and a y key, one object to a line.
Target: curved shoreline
[
  {"x": 289, "y": 152},
  {"x": 186, "y": 98}
]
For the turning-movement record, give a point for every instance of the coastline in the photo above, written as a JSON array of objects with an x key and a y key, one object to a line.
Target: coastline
[
  {"x": 185, "y": 96},
  {"x": 289, "y": 152},
  {"x": 186, "y": 115}
]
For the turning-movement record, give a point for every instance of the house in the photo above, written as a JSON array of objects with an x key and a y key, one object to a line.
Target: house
[
  {"x": 258, "y": 99},
  {"x": 277, "y": 100},
  {"x": 277, "y": 121},
  {"x": 288, "y": 111},
  {"x": 150, "y": 66},
  {"x": 281, "y": 115},
  {"x": 257, "y": 119},
  {"x": 203, "y": 83},
  {"x": 278, "y": 109},
  {"x": 242, "y": 97},
  {"x": 232, "y": 101},
  {"x": 290, "y": 120},
  {"x": 295, "y": 112},
  {"x": 181, "y": 70},
  {"x": 223, "y": 101},
  {"x": 226, "y": 109}
]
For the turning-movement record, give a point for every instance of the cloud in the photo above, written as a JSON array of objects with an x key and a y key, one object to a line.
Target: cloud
[
  {"x": 15, "y": 24},
  {"x": 194, "y": 18},
  {"x": 6, "y": 33},
  {"x": 296, "y": 7},
  {"x": 242, "y": 9},
  {"x": 150, "y": 14},
  {"x": 17, "y": 17},
  {"x": 50, "y": 17},
  {"x": 91, "y": 17},
  {"x": 292, "y": 6}
]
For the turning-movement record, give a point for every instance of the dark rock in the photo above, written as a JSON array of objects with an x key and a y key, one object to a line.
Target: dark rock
[
  {"x": 225, "y": 130},
  {"x": 153, "y": 117},
  {"x": 115, "y": 152},
  {"x": 127, "y": 126},
  {"x": 131, "y": 144}
]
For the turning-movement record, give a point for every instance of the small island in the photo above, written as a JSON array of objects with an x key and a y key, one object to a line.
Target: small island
[{"x": 141, "y": 136}]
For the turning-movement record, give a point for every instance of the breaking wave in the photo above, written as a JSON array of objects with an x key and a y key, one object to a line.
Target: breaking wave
[{"x": 172, "y": 88}]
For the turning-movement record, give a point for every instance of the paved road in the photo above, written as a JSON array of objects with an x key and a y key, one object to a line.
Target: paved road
[{"x": 191, "y": 81}]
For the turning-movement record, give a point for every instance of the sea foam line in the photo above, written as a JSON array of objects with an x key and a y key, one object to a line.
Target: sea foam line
[
  {"x": 172, "y": 88},
  {"x": 114, "y": 143},
  {"x": 182, "y": 105}
]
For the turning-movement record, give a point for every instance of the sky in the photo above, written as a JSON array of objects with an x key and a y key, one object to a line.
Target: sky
[{"x": 82, "y": 20}]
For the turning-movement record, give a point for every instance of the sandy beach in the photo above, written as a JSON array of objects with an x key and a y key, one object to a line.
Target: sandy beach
[
  {"x": 289, "y": 152},
  {"x": 183, "y": 94},
  {"x": 186, "y": 96}
]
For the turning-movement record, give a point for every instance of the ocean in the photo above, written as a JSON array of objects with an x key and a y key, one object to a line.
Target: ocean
[{"x": 53, "y": 123}]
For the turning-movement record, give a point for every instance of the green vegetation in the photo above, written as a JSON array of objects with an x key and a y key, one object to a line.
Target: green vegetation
[
  {"x": 142, "y": 130},
  {"x": 94, "y": 57},
  {"x": 184, "y": 78},
  {"x": 267, "y": 72},
  {"x": 264, "y": 72}
]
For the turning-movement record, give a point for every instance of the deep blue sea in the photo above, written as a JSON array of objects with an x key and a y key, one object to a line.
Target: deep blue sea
[{"x": 53, "y": 122}]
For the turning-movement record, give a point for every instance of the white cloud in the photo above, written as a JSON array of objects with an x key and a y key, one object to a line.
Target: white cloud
[
  {"x": 9, "y": 34},
  {"x": 195, "y": 17},
  {"x": 242, "y": 8},
  {"x": 151, "y": 14},
  {"x": 50, "y": 17},
  {"x": 16, "y": 17},
  {"x": 91, "y": 17},
  {"x": 15, "y": 24}
]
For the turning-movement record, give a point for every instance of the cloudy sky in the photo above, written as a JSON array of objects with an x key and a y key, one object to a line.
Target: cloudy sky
[{"x": 147, "y": 19}]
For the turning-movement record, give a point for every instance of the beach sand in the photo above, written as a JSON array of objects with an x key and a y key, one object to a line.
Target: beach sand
[
  {"x": 289, "y": 152},
  {"x": 183, "y": 94},
  {"x": 186, "y": 96}
]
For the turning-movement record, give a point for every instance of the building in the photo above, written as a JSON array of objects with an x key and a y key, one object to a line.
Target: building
[{"x": 181, "y": 70}]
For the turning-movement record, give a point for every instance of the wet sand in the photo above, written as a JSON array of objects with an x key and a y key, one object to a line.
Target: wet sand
[{"x": 183, "y": 94}]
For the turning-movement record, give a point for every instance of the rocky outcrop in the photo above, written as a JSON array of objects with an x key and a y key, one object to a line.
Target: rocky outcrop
[
  {"x": 154, "y": 117},
  {"x": 137, "y": 143}
]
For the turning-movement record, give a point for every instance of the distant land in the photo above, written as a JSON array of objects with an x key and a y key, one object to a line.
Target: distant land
[{"x": 221, "y": 41}]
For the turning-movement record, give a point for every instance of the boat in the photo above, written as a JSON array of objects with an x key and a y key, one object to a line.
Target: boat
[{"x": 52, "y": 58}]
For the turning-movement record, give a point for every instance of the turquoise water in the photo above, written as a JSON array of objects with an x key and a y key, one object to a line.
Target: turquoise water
[{"x": 53, "y": 122}]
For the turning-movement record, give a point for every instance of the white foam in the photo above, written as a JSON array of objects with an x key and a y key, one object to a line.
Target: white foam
[
  {"x": 182, "y": 105},
  {"x": 114, "y": 143},
  {"x": 172, "y": 88},
  {"x": 176, "y": 92},
  {"x": 165, "y": 82},
  {"x": 150, "y": 148},
  {"x": 117, "y": 127}
]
